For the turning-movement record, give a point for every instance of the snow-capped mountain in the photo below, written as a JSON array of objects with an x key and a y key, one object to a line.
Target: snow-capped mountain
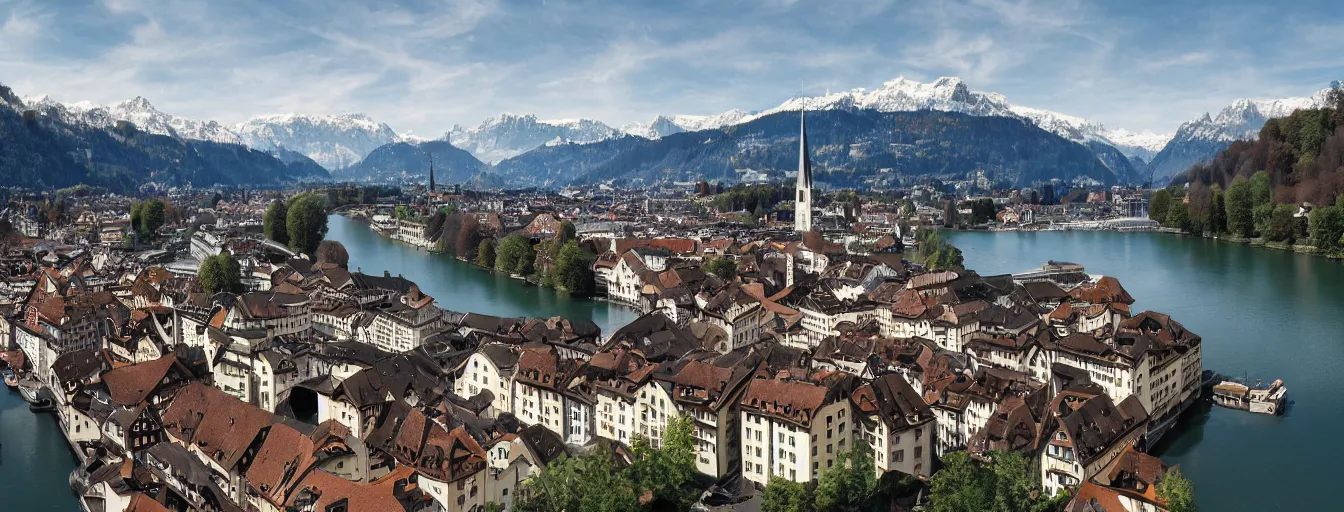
[
  {"x": 949, "y": 94},
  {"x": 333, "y": 142},
  {"x": 1144, "y": 145},
  {"x": 138, "y": 111},
  {"x": 506, "y": 136},
  {"x": 662, "y": 126},
  {"x": 1202, "y": 138}
]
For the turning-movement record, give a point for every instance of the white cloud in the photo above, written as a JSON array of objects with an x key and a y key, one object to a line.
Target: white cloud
[{"x": 1182, "y": 60}]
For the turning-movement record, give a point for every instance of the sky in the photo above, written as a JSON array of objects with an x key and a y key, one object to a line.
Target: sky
[{"x": 424, "y": 65}]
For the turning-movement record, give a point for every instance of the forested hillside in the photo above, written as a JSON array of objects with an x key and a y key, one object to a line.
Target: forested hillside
[{"x": 847, "y": 148}]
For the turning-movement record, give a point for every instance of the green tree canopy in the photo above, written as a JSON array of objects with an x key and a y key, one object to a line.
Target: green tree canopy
[
  {"x": 306, "y": 223},
  {"x": 148, "y": 216},
  {"x": 515, "y": 255},
  {"x": 275, "y": 224},
  {"x": 850, "y": 483},
  {"x": 1159, "y": 205},
  {"x": 1177, "y": 491},
  {"x": 220, "y": 273},
  {"x": 1262, "y": 192},
  {"x": 1282, "y": 224},
  {"x": 1326, "y": 225},
  {"x": 784, "y": 495},
  {"x": 668, "y": 473},
  {"x": 723, "y": 267},
  {"x": 1178, "y": 217},
  {"x": 1216, "y": 214},
  {"x": 1010, "y": 483},
  {"x": 485, "y": 253},
  {"x": 573, "y": 269},
  {"x": 1240, "y": 208}
]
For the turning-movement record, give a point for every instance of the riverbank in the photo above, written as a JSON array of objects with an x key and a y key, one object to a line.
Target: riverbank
[{"x": 463, "y": 286}]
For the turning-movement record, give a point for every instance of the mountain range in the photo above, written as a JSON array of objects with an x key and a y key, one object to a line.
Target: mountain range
[
  {"x": 47, "y": 145},
  {"x": 342, "y": 143},
  {"x": 1202, "y": 138}
]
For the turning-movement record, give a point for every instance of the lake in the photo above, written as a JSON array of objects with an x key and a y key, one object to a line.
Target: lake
[{"x": 1263, "y": 313}]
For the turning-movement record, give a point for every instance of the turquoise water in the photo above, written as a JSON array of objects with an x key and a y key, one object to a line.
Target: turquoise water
[{"x": 1263, "y": 313}]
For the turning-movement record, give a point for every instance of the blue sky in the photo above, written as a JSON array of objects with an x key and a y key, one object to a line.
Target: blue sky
[{"x": 425, "y": 65}]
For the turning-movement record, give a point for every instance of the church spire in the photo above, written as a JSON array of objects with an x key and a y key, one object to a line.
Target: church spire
[
  {"x": 431, "y": 174},
  {"x": 802, "y": 208}
]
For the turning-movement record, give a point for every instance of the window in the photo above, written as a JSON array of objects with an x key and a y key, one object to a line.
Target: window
[
  {"x": 898, "y": 455},
  {"x": 919, "y": 451}
]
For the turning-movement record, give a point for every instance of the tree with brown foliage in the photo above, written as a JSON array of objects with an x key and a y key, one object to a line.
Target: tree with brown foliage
[{"x": 331, "y": 251}]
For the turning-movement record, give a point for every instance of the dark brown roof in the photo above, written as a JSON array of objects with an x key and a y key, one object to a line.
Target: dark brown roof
[
  {"x": 282, "y": 460},
  {"x": 220, "y": 425},
  {"x": 130, "y": 385}
]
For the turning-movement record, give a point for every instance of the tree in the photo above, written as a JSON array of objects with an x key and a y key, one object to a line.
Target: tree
[
  {"x": 485, "y": 255},
  {"x": 331, "y": 251},
  {"x": 722, "y": 267},
  {"x": 1240, "y": 208},
  {"x": 668, "y": 473},
  {"x": 1177, "y": 491},
  {"x": 1008, "y": 483},
  {"x": 1215, "y": 220},
  {"x": 1159, "y": 205},
  {"x": 275, "y": 224},
  {"x": 1326, "y": 225},
  {"x": 146, "y": 216},
  {"x": 1262, "y": 192},
  {"x": 783, "y": 495},
  {"x": 220, "y": 273},
  {"x": 515, "y": 255},
  {"x": 1282, "y": 224},
  {"x": 583, "y": 483},
  {"x": 1178, "y": 217},
  {"x": 306, "y": 223},
  {"x": 573, "y": 270},
  {"x": 850, "y": 483}
]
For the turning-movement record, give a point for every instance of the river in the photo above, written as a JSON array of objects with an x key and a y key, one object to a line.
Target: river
[
  {"x": 35, "y": 461},
  {"x": 457, "y": 286},
  {"x": 1265, "y": 313}
]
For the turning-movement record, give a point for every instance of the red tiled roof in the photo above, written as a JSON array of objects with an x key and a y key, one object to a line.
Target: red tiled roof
[
  {"x": 791, "y": 400},
  {"x": 270, "y": 472},
  {"x": 220, "y": 425},
  {"x": 130, "y": 385}
]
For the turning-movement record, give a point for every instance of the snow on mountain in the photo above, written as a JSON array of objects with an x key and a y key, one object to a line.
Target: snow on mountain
[
  {"x": 138, "y": 111},
  {"x": 949, "y": 94},
  {"x": 1143, "y": 144},
  {"x": 1201, "y": 139},
  {"x": 662, "y": 126},
  {"x": 508, "y": 135},
  {"x": 333, "y": 142}
]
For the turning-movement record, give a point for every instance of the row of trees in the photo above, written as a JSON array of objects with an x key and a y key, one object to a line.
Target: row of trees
[
  {"x": 1248, "y": 210},
  {"x": 1010, "y": 482},
  {"x": 1252, "y": 187},
  {"x": 660, "y": 479},
  {"x": 299, "y": 222}
]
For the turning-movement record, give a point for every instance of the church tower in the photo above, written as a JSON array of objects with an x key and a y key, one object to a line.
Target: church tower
[
  {"x": 431, "y": 174},
  {"x": 802, "y": 207}
]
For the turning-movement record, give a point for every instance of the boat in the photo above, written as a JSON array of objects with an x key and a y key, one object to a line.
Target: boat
[
  {"x": 11, "y": 380},
  {"x": 1258, "y": 399}
]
